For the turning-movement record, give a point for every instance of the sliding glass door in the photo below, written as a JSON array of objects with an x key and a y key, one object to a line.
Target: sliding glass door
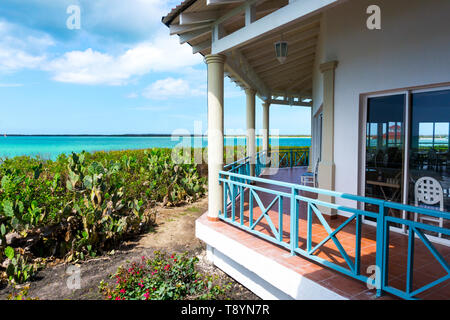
[
  {"x": 385, "y": 139},
  {"x": 407, "y": 150},
  {"x": 428, "y": 170}
]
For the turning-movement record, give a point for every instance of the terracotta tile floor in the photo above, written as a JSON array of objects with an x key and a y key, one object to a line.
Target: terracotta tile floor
[{"x": 426, "y": 267}]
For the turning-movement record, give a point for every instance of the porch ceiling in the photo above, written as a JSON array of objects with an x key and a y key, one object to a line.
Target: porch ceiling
[
  {"x": 293, "y": 78},
  {"x": 253, "y": 64}
]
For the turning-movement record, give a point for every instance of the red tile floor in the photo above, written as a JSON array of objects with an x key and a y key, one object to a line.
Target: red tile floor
[{"x": 426, "y": 267}]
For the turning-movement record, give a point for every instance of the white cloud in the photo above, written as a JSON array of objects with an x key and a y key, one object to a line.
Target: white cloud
[
  {"x": 192, "y": 84},
  {"x": 12, "y": 60},
  {"x": 125, "y": 20},
  {"x": 21, "y": 50},
  {"x": 129, "y": 21},
  {"x": 93, "y": 67},
  {"x": 172, "y": 88}
]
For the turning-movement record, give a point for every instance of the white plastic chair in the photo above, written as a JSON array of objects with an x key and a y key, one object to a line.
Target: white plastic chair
[
  {"x": 310, "y": 177},
  {"x": 429, "y": 191}
]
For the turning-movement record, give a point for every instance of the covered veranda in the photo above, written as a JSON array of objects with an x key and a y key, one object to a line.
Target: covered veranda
[
  {"x": 292, "y": 228},
  {"x": 239, "y": 40},
  {"x": 352, "y": 246}
]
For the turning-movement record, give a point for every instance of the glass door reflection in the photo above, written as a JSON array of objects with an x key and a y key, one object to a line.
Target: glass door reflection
[
  {"x": 385, "y": 149},
  {"x": 429, "y": 153}
]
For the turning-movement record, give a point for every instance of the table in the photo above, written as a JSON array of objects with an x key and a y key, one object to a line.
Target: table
[{"x": 382, "y": 185}]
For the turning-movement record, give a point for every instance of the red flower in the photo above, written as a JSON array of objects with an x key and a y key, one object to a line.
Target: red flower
[
  {"x": 122, "y": 290},
  {"x": 167, "y": 267}
]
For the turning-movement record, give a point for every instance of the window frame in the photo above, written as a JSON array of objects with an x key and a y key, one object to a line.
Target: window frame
[{"x": 364, "y": 98}]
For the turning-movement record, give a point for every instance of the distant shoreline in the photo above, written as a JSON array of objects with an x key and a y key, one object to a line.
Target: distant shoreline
[
  {"x": 139, "y": 135},
  {"x": 51, "y": 146}
]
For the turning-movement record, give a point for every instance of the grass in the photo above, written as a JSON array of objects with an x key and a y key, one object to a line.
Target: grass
[{"x": 193, "y": 209}]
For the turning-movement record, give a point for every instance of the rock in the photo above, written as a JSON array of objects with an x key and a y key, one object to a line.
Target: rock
[
  {"x": 6, "y": 263},
  {"x": 12, "y": 237}
]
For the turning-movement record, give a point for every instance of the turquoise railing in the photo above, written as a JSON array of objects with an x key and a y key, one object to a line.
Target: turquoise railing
[
  {"x": 289, "y": 157},
  {"x": 278, "y": 158},
  {"x": 236, "y": 182}
]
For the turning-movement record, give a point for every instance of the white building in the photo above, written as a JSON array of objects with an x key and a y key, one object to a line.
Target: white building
[{"x": 377, "y": 77}]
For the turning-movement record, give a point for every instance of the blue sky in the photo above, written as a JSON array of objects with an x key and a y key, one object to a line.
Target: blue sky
[{"x": 119, "y": 73}]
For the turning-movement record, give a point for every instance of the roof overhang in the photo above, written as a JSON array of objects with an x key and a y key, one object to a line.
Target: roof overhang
[{"x": 245, "y": 31}]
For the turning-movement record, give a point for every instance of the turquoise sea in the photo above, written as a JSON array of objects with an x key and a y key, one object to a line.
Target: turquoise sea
[{"x": 49, "y": 147}]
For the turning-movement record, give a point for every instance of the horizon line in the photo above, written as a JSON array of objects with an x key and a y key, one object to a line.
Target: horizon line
[{"x": 138, "y": 135}]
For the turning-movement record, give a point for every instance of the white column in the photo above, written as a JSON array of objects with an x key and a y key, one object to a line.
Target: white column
[
  {"x": 265, "y": 125},
  {"x": 326, "y": 165},
  {"x": 251, "y": 147},
  {"x": 215, "y": 133}
]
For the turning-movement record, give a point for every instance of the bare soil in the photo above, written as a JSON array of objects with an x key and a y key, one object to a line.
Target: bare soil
[{"x": 174, "y": 233}]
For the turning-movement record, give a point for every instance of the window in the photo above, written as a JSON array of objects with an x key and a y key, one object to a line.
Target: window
[
  {"x": 385, "y": 148},
  {"x": 407, "y": 138},
  {"x": 429, "y": 148}
]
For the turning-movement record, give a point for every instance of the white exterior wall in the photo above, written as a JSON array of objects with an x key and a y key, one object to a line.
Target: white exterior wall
[{"x": 411, "y": 49}]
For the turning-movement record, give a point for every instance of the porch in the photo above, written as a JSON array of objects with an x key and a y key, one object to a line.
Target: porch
[
  {"x": 288, "y": 240},
  {"x": 314, "y": 256}
]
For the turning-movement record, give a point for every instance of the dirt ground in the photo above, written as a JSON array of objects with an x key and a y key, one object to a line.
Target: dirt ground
[{"x": 174, "y": 232}]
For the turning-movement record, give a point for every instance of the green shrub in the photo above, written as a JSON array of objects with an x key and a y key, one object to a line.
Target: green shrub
[
  {"x": 84, "y": 204},
  {"x": 19, "y": 269},
  {"x": 20, "y": 294},
  {"x": 163, "y": 278}
]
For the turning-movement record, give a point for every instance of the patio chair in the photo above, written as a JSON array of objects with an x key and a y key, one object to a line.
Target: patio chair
[
  {"x": 310, "y": 177},
  {"x": 428, "y": 191}
]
